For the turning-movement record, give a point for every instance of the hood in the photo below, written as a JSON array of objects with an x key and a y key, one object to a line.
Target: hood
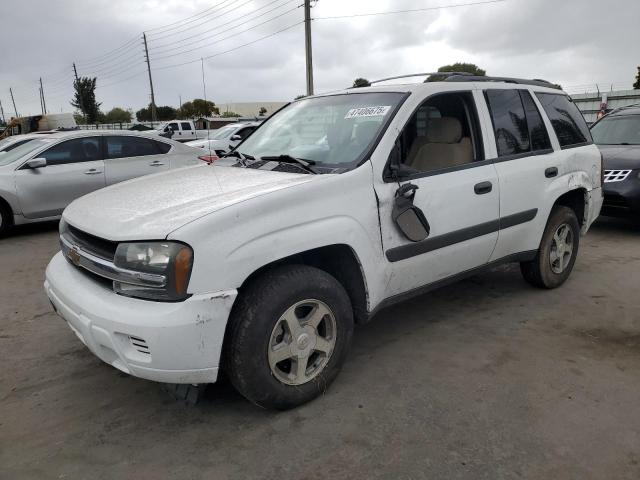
[
  {"x": 621, "y": 157},
  {"x": 151, "y": 207}
]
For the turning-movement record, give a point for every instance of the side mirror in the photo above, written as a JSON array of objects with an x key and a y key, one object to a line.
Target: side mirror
[
  {"x": 235, "y": 138},
  {"x": 36, "y": 163},
  {"x": 409, "y": 219}
]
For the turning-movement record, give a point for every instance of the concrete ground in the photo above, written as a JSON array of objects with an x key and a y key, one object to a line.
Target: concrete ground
[{"x": 485, "y": 379}]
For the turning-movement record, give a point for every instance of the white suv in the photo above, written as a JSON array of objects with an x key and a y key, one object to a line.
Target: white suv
[{"x": 338, "y": 205}]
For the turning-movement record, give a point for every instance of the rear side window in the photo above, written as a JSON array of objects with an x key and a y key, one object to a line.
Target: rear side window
[
  {"x": 162, "y": 147},
  {"x": 120, "y": 147},
  {"x": 537, "y": 130},
  {"x": 185, "y": 125},
  {"x": 73, "y": 151},
  {"x": 567, "y": 121},
  {"x": 509, "y": 122}
]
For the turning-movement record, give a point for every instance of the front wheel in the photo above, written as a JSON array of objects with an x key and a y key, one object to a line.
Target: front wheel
[
  {"x": 5, "y": 220},
  {"x": 288, "y": 337},
  {"x": 557, "y": 252}
]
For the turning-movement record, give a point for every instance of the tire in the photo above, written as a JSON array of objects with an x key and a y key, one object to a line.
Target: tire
[
  {"x": 274, "y": 355},
  {"x": 5, "y": 219},
  {"x": 549, "y": 269}
]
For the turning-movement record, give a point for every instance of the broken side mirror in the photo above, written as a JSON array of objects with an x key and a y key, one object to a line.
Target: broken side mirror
[{"x": 409, "y": 218}]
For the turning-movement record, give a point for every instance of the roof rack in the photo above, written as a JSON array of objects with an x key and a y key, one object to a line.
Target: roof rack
[{"x": 470, "y": 77}]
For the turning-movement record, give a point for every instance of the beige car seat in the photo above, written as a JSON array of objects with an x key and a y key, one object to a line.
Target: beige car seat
[{"x": 444, "y": 147}]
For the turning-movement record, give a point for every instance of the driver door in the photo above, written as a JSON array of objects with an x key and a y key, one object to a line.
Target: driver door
[
  {"x": 441, "y": 149},
  {"x": 74, "y": 168}
]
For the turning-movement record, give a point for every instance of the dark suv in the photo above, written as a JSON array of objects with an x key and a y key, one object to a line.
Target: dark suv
[{"x": 618, "y": 136}]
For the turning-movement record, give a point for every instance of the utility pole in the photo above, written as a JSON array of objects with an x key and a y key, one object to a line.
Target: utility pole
[
  {"x": 153, "y": 99},
  {"x": 75, "y": 73},
  {"x": 44, "y": 104},
  {"x": 40, "y": 95},
  {"x": 307, "y": 44},
  {"x": 14, "y": 103}
]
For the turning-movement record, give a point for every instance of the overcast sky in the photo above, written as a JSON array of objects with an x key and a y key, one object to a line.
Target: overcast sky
[{"x": 572, "y": 42}]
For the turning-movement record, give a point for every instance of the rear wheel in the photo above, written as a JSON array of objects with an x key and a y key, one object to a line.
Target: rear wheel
[
  {"x": 5, "y": 219},
  {"x": 288, "y": 337},
  {"x": 557, "y": 252}
]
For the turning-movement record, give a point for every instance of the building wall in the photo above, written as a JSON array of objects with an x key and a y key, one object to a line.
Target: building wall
[
  {"x": 589, "y": 103},
  {"x": 250, "y": 109}
]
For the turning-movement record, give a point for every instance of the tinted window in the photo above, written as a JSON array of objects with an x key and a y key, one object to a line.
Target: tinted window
[
  {"x": 537, "y": 131},
  {"x": 185, "y": 125},
  {"x": 119, "y": 147},
  {"x": 73, "y": 151},
  {"x": 509, "y": 122},
  {"x": 566, "y": 119},
  {"x": 618, "y": 130},
  {"x": 162, "y": 147}
]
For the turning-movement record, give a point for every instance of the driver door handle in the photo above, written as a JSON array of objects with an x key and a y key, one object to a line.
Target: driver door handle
[
  {"x": 93, "y": 171},
  {"x": 156, "y": 163},
  {"x": 482, "y": 188}
]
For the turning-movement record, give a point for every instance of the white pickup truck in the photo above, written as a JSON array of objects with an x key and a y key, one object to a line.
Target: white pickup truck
[
  {"x": 179, "y": 130},
  {"x": 337, "y": 206}
]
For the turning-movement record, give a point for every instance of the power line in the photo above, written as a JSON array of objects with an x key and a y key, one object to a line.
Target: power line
[
  {"x": 99, "y": 58},
  {"x": 160, "y": 35},
  {"x": 157, "y": 47},
  {"x": 228, "y": 36},
  {"x": 170, "y": 25},
  {"x": 224, "y": 38},
  {"x": 231, "y": 49},
  {"x": 413, "y": 10}
]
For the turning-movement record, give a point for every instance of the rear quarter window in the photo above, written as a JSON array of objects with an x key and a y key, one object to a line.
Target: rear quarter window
[{"x": 566, "y": 119}]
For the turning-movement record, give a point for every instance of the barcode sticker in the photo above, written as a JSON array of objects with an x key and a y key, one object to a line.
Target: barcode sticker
[{"x": 380, "y": 111}]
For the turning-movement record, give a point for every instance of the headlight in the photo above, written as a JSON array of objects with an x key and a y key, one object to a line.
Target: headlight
[{"x": 161, "y": 269}]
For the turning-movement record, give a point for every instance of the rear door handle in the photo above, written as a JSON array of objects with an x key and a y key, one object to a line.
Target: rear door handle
[
  {"x": 482, "y": 188},
  {"x": 156, "y": 163},
  {"x": 551, "y": 172},
  {"x": 93, "y": 171}
]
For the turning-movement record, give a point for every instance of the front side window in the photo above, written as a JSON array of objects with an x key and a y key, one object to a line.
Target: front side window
[
  {"x": 617, "y": 130},
  {"x": 120, "y": 147},
  {"x": 77, "y": 150},
  {"x": 566, "y": 119},
  {"x": 172, "y": 126},
  {"x": 334, "y": 131},
  {"x": 442, "y": 133}
]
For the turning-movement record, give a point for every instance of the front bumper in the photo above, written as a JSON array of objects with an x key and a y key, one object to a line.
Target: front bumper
[
  {"x": 622, "y": 199},
  {"x": 177, "y": 342}
]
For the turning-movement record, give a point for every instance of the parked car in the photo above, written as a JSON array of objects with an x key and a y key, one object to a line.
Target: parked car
[
  {"x": 41, "y": 176},
  {"x": 337, "y": 206},
  {"x": 618, "y": 136},
  {"x": 225, "y": 138}
]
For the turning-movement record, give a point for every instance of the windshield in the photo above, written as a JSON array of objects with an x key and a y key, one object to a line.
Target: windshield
[
  {"x": 224, "y": 132},
  {"x": 622, "y": 130},
  {"x": 6, "y": 146},
  {"x": 9, "y": 157},
  {"x": 333, "y": 131}
]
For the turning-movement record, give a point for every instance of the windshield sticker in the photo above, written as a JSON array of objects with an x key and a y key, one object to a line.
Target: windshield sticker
[{"x": 380, "y": 111}]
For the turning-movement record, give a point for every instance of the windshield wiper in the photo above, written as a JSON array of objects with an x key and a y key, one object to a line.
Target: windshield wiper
[
  {"x": 305, "y": 164},
  {"x": 242, "y": 158}
]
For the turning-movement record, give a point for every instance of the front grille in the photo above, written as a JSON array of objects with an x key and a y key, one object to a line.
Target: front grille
[
  {"x": 140, "y": 345},
  {"x": 92, "y": 244},
  {"x": 611, "y": 176}
]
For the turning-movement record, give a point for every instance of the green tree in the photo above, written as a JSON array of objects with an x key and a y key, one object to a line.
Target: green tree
[
  {"x": 118, "y": 115},
  {"x": 262, "y": 112},
  {"x": 361, "y": 82},
  {"x": 84, "y": 98},
  {"x": 164, "y": 113},
  {"x": 198, "y": 108},
  {"x": 230, "y": 114},
  {"x": 457, "y": 67},
  {"x": 637, "y": 84}
]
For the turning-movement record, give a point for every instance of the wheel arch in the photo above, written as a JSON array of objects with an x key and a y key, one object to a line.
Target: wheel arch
[
  {"x": 5, "y": 207},
  {"x": 339, "y": 261},
  {"x": 576, "y": 199}
]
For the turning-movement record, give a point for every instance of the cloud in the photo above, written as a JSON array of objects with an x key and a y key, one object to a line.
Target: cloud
[{"x": 573, "y": 42}]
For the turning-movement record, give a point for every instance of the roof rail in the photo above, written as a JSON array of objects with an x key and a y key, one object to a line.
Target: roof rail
[
  {"x": 521, "y": 81},
  {"x": 422, "y": 75},
  {"x": 470, "y": 77}
]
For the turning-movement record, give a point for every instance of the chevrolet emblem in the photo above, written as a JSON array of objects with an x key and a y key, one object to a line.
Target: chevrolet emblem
[{"x": 74, "y": 255}]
